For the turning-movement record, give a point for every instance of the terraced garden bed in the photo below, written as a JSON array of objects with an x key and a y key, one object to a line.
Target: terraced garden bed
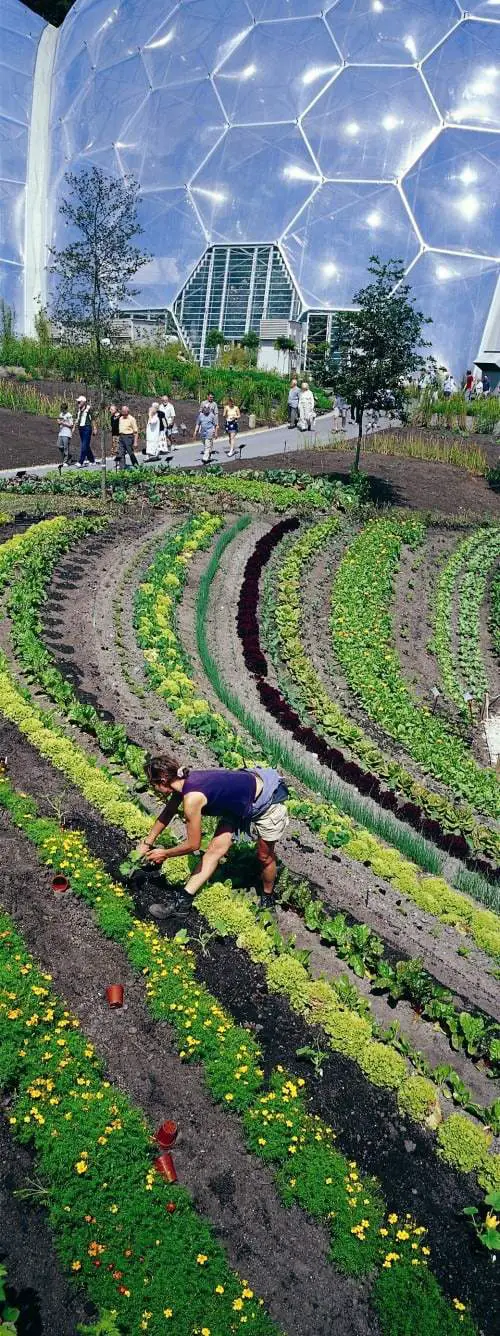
[{"x": 332, "y": 1061}]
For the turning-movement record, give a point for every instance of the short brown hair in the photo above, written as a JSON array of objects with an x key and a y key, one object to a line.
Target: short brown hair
[{"x": 163, "y": 769}]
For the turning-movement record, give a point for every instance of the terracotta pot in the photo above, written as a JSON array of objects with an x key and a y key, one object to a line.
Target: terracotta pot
[
  {"x": 60, "y": 883},
  {"x": 114, "y": 995},
  {"x": 166, "y": 1135},
  {"x": 165, "y": 1166}
]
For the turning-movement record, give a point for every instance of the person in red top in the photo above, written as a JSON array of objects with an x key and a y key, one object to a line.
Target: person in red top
[
  {"x": 469, "y": 381},
  {"x": 241, "y": 799}
]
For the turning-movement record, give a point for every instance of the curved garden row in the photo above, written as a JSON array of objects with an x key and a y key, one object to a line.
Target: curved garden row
[
  {"x": 462, "y": 588},
  {"x": 280, "y": 612}
]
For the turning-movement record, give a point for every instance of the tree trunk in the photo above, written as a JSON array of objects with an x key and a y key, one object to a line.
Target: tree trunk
[
  {"x": 359, "y": 419},
  {"x": 103, "y": 440}
]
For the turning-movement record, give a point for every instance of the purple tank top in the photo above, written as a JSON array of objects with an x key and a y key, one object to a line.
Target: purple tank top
[{"x": 229, "y": 793}]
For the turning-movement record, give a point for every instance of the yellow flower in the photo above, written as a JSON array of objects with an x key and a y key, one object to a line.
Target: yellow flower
[
  {"x": 393, "y": 1219},
  {"x": 426, "y": 1252},
  {"x": 81, "y": 1166},
  {"x": 76, "y": 1266},
  {"x": 229, "y": 1097},
  {"x": 205, "y": 1331},
  {"x": 402, "y": 1234},
  {"x": 168, "y": 1312},
  {"x": 247, "y": 1294},
  {"x": 219, "y": 1289},
  {"x": 237, "y": 1304},
  {"x": 201, "y": 1259},
  {"x": 460, "y": 1307},
  {"x": 491, "y": 1221}
]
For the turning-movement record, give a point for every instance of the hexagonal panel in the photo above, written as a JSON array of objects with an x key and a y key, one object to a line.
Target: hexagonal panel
[
  {"x": 390, "y": 31},
  {"x": 456, "y": 291},
  {"x": 454, "y": 192},
  {"x": 464, "y": 75},
  {"x": 371, "y": 123},
  {"x": 330, "y": 244},
  {"x": 12, "y": 285},
  {"x": 173, "y": 236},
  {"x": 483, "y": 9},
  {"x": 254, "y": 183},
  {"x": 195, "y": 123},
  {"x": 247, "y": 82}
]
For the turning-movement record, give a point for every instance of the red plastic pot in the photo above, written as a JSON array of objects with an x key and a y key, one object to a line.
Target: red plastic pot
[
  {"x": 166, "y": 1167},
  {"x": 60, "y": 883},
  {"x": 115, "y": 994},
  {"x": 166, "y": 1135}
]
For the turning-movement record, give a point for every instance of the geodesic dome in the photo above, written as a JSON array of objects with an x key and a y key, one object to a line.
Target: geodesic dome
[{"x": 332, "y": 129}]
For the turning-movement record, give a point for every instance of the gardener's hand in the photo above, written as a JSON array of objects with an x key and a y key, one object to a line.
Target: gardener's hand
[
  {"x": 143, "y": 849},
  {"x": 157, "y": 856}
]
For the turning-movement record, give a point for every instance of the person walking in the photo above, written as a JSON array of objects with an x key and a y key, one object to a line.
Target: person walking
[
  {"x": 166, "y": 412},
  {"x": 87, "y": 429},
  {"x": 231, "y": 424},
  {"x": 469, "y": 381},
  {"x": 307, "y": 414},
  {"x": 154, "y": 432},
  {"x": 293, "y": 403},
  {"x": 114, "y": 420},
  {"x": 128, "y": 435},
  {"x": 65, "y": 426},
  {"x": 213, "y": 409},
  {"x": 248, "y": 800},
  {"x": 449, "y": 386},
  {"x": 206, "y": 430}
]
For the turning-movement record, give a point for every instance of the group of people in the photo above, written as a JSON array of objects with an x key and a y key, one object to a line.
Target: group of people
[
  {"x": 474, "y": 385},
  {"x": 161, "y": 430},
  {"x": 301, "y": 407}
]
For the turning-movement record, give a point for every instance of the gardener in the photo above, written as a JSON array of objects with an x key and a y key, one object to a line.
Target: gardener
[{"x": 241, "y": 799}]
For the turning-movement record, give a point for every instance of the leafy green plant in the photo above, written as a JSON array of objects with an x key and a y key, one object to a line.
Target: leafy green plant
[
  {"x": 8, "y": 1314},
  {"x": 463, "y": 582},
  {"x": 487, "y": 1227},
  {"x": 361, "y": 630},
  {"x": 315, "y": 1055}
]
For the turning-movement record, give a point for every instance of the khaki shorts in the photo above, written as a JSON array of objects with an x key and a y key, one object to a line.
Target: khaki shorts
[{"x": 271, "y": 826}]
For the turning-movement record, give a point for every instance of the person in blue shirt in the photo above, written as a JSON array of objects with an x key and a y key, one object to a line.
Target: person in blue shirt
[
  {"x": 249, "y": 800},
  {"x": 206, "y": 428}
]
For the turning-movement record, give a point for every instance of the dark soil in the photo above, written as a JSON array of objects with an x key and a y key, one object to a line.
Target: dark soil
[
  {"x": 415, "y": 483},
  {"x": 140, "y": 1057}
]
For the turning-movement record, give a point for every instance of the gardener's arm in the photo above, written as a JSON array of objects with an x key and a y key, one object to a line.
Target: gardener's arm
[
  {"x": 169, "y": 811},
  {"x": 190, "y": 845}
]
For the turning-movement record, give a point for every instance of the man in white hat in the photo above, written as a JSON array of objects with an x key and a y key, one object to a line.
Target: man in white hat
[{"x": 86, "y": 428}]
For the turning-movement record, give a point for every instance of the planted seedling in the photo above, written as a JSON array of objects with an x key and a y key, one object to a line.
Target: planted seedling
[
  {"x": 8, "y": 1315},
  {"x": 487, "y": 1229},
  {"x": 315, "y": 1056},
  {"x": 131, "y": 864}
]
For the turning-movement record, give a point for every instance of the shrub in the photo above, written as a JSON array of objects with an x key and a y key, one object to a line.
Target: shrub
[
  {"x": 382, "y": 1065},
  {"x": 462, "y": 1144},
  {"x": 417, "y": 1098}
]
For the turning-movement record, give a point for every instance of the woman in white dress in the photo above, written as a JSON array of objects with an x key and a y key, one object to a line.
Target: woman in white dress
[
  {"x": 155, "y": 438},
  {"x": 307, "y": 412}
]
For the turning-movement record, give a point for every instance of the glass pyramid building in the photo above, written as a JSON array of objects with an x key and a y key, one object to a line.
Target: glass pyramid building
[{"x": 278, "y": 144}]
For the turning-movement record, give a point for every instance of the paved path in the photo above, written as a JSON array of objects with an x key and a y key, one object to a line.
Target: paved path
[{"x": 253, "y": 445}]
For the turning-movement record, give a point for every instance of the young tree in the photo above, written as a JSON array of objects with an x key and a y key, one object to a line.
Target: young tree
[
  {"x": 250, "y": 341},
  {"x": 378, "y": 345},
  {"x": 215, "y": 339},
  {"x": 93, "y": 272}
]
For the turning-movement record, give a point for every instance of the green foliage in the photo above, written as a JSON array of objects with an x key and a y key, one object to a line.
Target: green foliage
[
  {"x": 408, "y": 1302},
  {"x": 281, "y": 612},
  {"x": 463, "y": 1144},
  {"x": 417, "y": 1098},
  {"x": 362, "y": 637},
  {"x": 420, "y": 445},
  {"x": 8, "y": 1314},
  {"x": 494, "y": 618},
  {"x": 463, "y": 583},
  {"x": 382, "y": 1066}
]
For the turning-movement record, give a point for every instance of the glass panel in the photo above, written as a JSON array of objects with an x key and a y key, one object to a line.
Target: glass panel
[
  {"x": 398, "y": 32},
  {"x": 13, "y": 150},
  {"x": 331, "y": 242},
  {"x": 173, "y": 236},
  {"x": 260, "y": 288},
  {"x": 254, "y": 183},
  {"x": 464, "y": 75},
  {"x": 457, "y": 292},
  {"x": 12, "y": 289},
  {"x": 285, "y": 9},
  {"x": 371, "y": 122},
  {"x": 249, "y": 82},
  {"x": 195, "y": 122},
  {"x": 194, "y": 40},
  {"x": 12, "y": 197},
  {"x": 190, "y": 306},
  {"x": 454, "y": 192}
]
